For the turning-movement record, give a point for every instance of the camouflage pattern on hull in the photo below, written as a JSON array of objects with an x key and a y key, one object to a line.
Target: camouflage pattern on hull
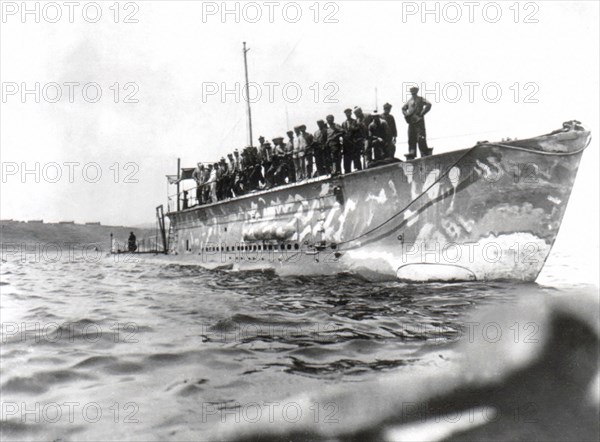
[{"x": 485, "y": 213}]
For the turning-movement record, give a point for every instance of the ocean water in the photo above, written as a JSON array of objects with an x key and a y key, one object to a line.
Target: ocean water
[{"x": 144, "y": 350}]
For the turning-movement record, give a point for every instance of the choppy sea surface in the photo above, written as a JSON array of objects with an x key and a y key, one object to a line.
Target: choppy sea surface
[{"x": 143, "y": 350}]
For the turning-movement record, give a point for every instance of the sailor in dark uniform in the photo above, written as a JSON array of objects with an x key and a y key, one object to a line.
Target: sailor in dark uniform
[
  {"x": 309, "y": 152},
  {"x": 379, "y": 136},
  {"x": 335, "y": 134},
  {"x": 363, "y": 124},
  {"x": 264, "y": 157},
  {"x": 414, "y": 112},
  {"x": 222, "y": 176},
  {"x": 131, "y": 242},
  {"x": 319, "y": 151},
  {"x": 255, "y": 175},
  {"x": 391, "y": 122},
  {"x": 278, "y": 171},
  {"x": 353, "y": 141}
]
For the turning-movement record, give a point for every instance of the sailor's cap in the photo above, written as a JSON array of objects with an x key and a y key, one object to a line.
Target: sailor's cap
[
  {"x": 277, "y": 139},
  {"x": 357, "y": 109},
  {"x": 387, "y": 106},
  {"x": 347, "y": 110},
  {"x": 222, "y": 159},
  {"x": 236, "y": 152},
  {"x": 414, "y": 89}
]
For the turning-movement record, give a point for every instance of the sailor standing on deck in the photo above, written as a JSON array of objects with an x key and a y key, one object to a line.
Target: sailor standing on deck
[
  {"x": 352, "y": 142},
  {"x": 237, "y": 184},
  {"x": 198, "y": 176},
  {"x": 212, "y": 182},
  {"x": 231, "y": 175},
  {"x": 299, "y": 151},
  {"x": 362, "y": 136},
  {"x": 308, "y": 150},
  {"x": 335, "y": 134},
  {"x": 205, "y": 184},
  {"x": 254, "y": 171},
  {"x": 278, "y": 171},
  {"x": 391, "y": 122},
  {"x": 264, "y": 156},
  {"x": 379, "y": 136},
  {"x": 222, "y": 179},
  {"x": 289, "y": 156},
  {"x": 414, "y": 112},
  {"x": 319, "y": 151}
]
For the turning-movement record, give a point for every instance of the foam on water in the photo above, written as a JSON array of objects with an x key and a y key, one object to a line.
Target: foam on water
[{"x": 166, "y": 351}]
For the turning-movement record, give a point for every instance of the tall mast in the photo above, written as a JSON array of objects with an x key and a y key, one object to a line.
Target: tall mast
[{"x": 248, "y": 96}]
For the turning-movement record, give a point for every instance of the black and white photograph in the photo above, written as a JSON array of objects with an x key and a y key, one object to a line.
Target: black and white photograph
[{"x": 301, "y": 220}]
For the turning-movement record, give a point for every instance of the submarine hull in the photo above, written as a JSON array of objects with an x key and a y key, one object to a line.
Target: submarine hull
[{"x": 490, "y": 212}]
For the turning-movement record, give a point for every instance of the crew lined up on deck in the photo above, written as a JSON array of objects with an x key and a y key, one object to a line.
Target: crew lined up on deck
[{"x": 359, "y": 142}]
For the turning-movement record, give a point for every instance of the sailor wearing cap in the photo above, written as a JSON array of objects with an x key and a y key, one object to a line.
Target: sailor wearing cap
[
  {"x": 335, "y": 134},
  {"x": 231, "y": 175},
  {"x": 352, "y": 142},
  {"x": 278, "y": 147},
  {"x": 414, "y": 112},
  {"x": 363, "y": 123},
  {"x": 278, "y": 171},
  {"x": 391, "y": 122},
  {"x": 379, "y": 136},
  {"x": 308, "y": 150},
  {"x": 319, "y": 148},
  {"x": 222, "y": 179}
]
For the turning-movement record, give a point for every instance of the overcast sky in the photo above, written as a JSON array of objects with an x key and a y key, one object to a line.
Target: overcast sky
[{"x": 178, "y": 57}]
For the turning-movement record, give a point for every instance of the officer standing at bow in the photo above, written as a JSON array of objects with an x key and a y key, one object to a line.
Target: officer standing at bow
[{"x": 414, "y": 112}]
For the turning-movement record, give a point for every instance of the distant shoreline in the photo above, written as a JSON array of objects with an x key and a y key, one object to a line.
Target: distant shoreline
[{"x": 68, "y": 234}]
